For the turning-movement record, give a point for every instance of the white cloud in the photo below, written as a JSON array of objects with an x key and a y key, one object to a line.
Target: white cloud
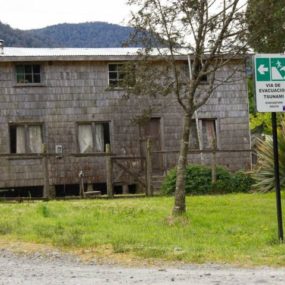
[{"x": 31, "y": 14}]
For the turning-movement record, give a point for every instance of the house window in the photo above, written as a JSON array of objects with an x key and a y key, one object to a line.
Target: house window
[
  {"x": 204, "y": 78},
  {"x": 93, "y": 137},
  {"x": 185, "y": 71},
  {"x": 28, "y": 73},
  {"x": 208, "y": 134},
  {"x": 26, "y": 138},
  {"x": 121, "y": 75}
]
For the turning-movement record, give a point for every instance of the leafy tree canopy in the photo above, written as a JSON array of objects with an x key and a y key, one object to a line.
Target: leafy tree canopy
[
  {"x": 266, "y": 25},
  {"x": 266, "y": 34}
]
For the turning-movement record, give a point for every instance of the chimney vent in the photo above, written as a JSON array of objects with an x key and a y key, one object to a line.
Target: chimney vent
[{"x": 1, "y": 47}]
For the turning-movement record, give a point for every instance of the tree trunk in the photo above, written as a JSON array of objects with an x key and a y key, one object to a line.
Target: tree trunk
[{"x": 179, "y": 204}]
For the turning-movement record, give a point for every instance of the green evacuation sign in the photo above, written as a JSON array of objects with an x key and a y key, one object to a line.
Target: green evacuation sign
[{"x": 270, "y": 82}]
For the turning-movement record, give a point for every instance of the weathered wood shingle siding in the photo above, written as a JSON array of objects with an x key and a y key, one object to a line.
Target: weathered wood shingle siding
[
  {"x": 229, "y": 104},
  {"x": 77, "y": 91}
]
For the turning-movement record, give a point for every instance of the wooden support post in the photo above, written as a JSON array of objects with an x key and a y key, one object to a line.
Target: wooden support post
[
  {"x": 109, "y": 170},
  {"x": 149, "y": 191},
  {"x": 81, "y": 184},
  {"x": 125, "y": 189},
  {"x": 214, "y": 161},
  {"x": 46, "y": 192}
]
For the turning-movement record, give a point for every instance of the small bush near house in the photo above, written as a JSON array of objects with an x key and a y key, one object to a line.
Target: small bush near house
[{"x": 199, "y": 181}]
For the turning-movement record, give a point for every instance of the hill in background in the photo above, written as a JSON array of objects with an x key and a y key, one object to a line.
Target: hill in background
[{"x": 91, "y": 34}]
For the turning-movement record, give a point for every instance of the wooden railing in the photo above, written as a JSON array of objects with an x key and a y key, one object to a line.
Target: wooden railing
[{"x": 144, "y": 177}]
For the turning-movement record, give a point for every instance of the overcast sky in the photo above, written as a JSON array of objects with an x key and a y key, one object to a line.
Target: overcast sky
[{"x": 32, "y": 14}]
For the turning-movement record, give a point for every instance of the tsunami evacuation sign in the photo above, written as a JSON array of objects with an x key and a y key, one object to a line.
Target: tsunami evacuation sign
[
  {"x": 270, "y": 82},
  {"x": 270, "y": 97}
]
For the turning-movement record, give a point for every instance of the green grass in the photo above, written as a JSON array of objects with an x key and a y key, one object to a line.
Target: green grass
[{"x": 236, "y": 228}]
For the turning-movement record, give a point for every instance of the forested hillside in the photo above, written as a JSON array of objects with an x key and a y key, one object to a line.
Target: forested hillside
[
  {"x": 17, "y": 38},
  {"x": 95, "y": 34}
]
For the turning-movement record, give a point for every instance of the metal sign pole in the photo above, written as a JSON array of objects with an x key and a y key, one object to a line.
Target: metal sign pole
[
  {"x": 270, "y": 97},
  {"x": 277, "y": 179}
]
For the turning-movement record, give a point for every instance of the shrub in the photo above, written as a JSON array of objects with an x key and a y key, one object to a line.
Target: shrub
[
  {"x": 264, "y": 171},
  {"x": 199, "y": 181},
  {"x": 242, "y": 182}
]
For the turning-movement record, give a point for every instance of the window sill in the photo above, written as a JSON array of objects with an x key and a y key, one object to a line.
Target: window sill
[
  {"x": 204, "y": 150},
  {"x": 115, "y": 89},
  {"x": 20, "y": 156},
  {"x": 86, "y": 154},
  {"x": 20, "y": 85},
  {"x": 118, "y": 88},
  {"x": 204, "y": 83}
]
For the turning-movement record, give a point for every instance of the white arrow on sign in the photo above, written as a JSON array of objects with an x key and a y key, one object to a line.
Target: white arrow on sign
[{"x": 262, "y": 69}]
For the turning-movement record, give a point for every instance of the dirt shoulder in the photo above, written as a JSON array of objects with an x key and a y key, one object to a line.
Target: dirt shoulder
[{"x": 36, "y": 264}]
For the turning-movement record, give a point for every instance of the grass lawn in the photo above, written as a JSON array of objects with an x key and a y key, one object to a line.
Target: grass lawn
[{"x": 237, "y": 228}]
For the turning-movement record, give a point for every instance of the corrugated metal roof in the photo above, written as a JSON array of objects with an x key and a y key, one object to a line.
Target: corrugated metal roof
[
  {"x": 53, "y": 52},
  {"x": 12, "y": 54}
]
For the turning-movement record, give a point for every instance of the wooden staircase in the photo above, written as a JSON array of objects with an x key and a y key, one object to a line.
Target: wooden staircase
[{"x": 157, "y": 180}]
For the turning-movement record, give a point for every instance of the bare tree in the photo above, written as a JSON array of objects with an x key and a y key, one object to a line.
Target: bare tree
[{"x": 211, "y": 32}]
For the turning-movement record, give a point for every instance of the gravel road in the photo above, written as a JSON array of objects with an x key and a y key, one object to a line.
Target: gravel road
[{"x": 55, "y": 268}]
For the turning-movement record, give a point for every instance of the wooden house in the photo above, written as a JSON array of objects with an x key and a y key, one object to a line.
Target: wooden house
[{"x": 60, "y": 107}]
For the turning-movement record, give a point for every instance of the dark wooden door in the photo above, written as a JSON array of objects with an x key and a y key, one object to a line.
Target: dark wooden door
[{"x": 152, "y": 130}]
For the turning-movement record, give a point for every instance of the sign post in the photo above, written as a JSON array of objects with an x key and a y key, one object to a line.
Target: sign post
[{"x": 270, "y": 97}]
